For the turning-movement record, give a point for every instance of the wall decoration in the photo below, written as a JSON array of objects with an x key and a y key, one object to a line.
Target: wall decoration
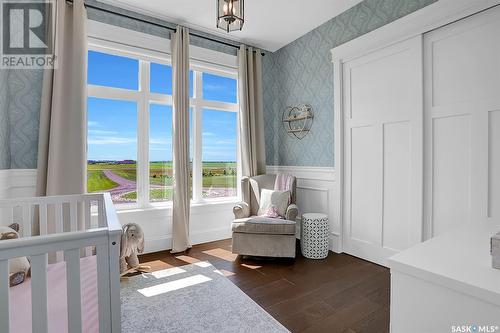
[{"x": 297, "y": 120}]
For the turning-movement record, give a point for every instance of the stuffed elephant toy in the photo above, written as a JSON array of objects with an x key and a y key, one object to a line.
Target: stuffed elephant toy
[
  {"x": 18, "y": 267},
  {"x": 132, "y": 243}
]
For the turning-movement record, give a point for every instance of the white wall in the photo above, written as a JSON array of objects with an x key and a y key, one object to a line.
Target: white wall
[
  {"x": 209, "y": 221},
  {"x": 316, "y": 194}
]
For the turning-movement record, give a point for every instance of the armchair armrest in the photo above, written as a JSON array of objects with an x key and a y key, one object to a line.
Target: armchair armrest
[
  {"x": 291, "y": 212},
  {"x": 241, "y": 210}
]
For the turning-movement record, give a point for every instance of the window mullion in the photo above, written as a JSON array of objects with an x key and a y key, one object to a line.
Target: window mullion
[
  {"x": 197, "y": 138},
  {"x": 143, "y": 138}
]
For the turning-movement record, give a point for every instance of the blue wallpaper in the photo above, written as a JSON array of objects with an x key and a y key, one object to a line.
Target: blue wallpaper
[
  {"x": 298, "y": 73},
  {"x": 20, "y": 91},
  {"x": 20, "y": 96},
  {"x": 302, "y": 72}
]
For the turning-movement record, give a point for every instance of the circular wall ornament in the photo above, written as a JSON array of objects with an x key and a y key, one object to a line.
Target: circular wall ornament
[{"x": 297, "y": 120}]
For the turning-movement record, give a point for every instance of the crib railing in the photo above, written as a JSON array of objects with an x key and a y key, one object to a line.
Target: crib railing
[{"x": 104, "y": 237}]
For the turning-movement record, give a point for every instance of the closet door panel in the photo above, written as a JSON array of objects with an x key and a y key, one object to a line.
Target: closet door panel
[
  {"x": 396, "y": 220},
  {"x": 382, "y": 103},
  {"x": 451, "y": 165},
  {"x": 462, "y": 99},
  {"x": 494, "y": 165}
]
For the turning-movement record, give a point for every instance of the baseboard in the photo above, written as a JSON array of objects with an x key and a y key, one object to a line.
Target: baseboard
[
  {"x": 164, "y": 243},
  {"x": 335, "y": 245}
]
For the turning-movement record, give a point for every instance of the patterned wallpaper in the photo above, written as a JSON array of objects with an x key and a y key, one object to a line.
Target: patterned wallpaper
[
  {"x": 20, "y": 96},
  {"x": 301, "y": 72},
  {"x": 298, "y": 73},
  {"x": 20, "y": 91}
]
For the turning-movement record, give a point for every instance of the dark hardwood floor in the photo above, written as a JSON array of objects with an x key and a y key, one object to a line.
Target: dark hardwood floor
[{"x": 338, "y": 294}]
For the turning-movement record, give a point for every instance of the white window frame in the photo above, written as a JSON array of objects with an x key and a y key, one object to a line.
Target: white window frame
[{"x": 146, "y": 51}]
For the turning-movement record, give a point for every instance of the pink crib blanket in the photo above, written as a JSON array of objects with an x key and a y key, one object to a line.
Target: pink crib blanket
[{"x": 20, "y": 299}]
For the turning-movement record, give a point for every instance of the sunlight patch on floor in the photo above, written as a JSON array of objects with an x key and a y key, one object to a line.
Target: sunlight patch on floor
[
  {"x": 251, "y": 266},
  {"x": 222, "y": 254},
  {"x": 224, "y": 272},
  {"x": 188, "y": 259},
  {"x": 168, "y": 272},
  {"x": 164, "y": 288}
]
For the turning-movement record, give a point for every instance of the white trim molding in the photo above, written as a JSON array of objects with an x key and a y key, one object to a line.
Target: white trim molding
[
  {"x": 17, "y": 183},
  {"x": 315, "y": 193},
  {"x": 305, "y": 172},
  {"x": 431, "y": 17}
]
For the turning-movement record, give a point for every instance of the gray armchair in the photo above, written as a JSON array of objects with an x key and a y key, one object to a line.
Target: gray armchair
[{"x": 262, "y": 236}]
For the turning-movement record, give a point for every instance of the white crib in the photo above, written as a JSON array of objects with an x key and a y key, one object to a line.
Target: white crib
[{"x": 68, "y": 228}]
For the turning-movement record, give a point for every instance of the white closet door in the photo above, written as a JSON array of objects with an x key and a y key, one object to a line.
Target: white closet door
[
  {"x": 462, "y": 122},
  {"x": 382, "y": 104}
]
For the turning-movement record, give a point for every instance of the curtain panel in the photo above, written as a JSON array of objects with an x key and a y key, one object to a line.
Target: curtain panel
[
  {"x": 251, "y": 120},
  {"x": 180, "y": 140},
  {"x": 62, "y": 136}
]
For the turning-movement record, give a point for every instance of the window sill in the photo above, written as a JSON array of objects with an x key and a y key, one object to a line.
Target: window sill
[{"x": 128, "y": 208}]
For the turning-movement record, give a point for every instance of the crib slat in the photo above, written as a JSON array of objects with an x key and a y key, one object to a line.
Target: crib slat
[
  {"x": 59, "y": 228},
  {"x": 73, "y": 209},
  {"x": 59, "y": 217},
  {"x": 39, "y": 293},
  {"x": 103, "y": 290},
  {"x": 26, "y": 220},
  {"x": 4, "y": 296},
  {"x": 72, "y": 258},
  {"x": 43, "y": 219},
  {"x": 101, "y": 215},
  {"x": 87, "y": 208},
  {"x": 10, "y": 214}
]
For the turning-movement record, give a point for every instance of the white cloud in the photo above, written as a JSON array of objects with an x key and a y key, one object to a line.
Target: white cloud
[
  {"x": 160, "y": 141},
  {"x": 110, "y": 140},
  {"x": 93, "y": 124},
  {"x": 101, "y": 132},
  {"x": 225, "y": 142},
  {"x": 208, "y": 134}
]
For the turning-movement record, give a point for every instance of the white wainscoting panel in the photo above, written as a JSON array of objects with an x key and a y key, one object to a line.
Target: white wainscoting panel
[
  {"x": 316, "y": 193},
  {"x": 17, "y": 183}
]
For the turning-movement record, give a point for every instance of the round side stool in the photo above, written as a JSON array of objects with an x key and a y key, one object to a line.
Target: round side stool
[{"x": 314, "y": 237}]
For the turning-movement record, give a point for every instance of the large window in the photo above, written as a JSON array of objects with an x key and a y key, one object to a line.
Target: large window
[{"x": 130, "y": 128}]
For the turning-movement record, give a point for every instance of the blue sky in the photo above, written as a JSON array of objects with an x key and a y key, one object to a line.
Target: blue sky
[{"x": 112, "y": 125}]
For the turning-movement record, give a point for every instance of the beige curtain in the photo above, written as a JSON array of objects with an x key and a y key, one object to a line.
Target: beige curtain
[
  {"x": 62, "y": 136},
  {"x": 251, "y": 120},
  {"x": 180, "y": 94}
]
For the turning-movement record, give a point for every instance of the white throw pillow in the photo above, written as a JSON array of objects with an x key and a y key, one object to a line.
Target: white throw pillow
[{"x": 269, "y": 198}]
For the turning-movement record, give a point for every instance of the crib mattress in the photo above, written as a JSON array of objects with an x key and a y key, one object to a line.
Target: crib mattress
[{"x": 20, "y": 299}]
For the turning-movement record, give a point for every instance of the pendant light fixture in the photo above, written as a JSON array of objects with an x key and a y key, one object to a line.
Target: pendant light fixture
[{"x": 230, "y": 16}]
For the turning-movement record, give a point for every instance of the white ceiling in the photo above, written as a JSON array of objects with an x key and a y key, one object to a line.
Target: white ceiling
[{"x": 269, "y": 24}]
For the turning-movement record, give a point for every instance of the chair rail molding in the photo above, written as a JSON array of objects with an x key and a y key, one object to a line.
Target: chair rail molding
[{"x": 316, "y": 193}]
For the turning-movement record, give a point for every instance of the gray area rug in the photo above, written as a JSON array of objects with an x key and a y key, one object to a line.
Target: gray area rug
[{"x": 191, "y": 298}]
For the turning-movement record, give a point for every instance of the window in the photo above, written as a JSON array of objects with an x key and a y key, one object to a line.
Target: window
[{"x": 130, "y": 128}]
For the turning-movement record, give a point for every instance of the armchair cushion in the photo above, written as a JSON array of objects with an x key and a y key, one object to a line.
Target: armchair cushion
[
  {"x": 241, "y": 210},
  {"x": 292, "y": 212},
  {"x": 263, "y": 225},
  {"x": 269, "y": 198}
]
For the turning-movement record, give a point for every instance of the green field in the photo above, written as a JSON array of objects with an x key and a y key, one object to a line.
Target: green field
[
  {"x": 154, "y": 195},
  {"x": 215, "y": 174},
  {"x": 97, "y": 181}
]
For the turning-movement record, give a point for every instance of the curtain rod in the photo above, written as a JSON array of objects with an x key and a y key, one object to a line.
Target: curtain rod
[{"x": 158, "y": 25}]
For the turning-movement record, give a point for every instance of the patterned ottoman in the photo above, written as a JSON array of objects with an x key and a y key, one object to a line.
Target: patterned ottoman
[{"x": 314, "y": 237}]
